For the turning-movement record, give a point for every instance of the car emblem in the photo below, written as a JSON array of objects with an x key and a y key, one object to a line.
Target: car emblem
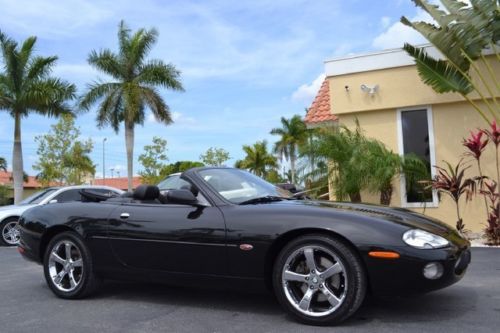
[{"x": 246, "y": 247}]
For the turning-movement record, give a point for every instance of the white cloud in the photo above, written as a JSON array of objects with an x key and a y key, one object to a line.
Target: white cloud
[
  {"x": 177, "y": 117},
  {"x": 397, "y": 34},
  {"x": 385, "y": 21},
  {"x": 306, "y": 92},
  {"x": 49, "y": 18}
]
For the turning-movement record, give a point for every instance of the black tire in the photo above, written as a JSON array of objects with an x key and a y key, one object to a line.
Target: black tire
[
  {"x": 4, "y": 239},
  {"x": 88, "y": 282},
  {"x": 353, "y": 291}
]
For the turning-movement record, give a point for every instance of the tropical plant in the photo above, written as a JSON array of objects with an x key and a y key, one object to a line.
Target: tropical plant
[
  {"x": 492, "y": 230},
  {"x": 62, "y": 156},
  {"x": 152, "y": 160},
  {"x": 27, "y": 87},
  {"x": 451, "y": 181},
  {"x": 462, "y": 33},
  {"x": 493, "y": 134},
  {"x": 293, "y": 134},
  {"x": 258, "y": 159},
  {"x": 337, "y": 149},
  {"x": 4, "y": 194},
  {"x": 133, "y": 86},
  {"x": 215, "y": 156},
  {"x": 3, "y": 164},
  {"x": 476, "y": 146}
]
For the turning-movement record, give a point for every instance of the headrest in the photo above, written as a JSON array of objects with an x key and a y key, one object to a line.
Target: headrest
[{"x": 146, "y": 192}]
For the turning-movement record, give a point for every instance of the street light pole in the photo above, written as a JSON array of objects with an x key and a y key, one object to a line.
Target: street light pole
[{"x": 104, "y": 161}]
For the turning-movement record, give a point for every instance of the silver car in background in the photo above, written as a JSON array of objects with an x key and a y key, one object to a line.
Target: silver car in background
[{"x": 9, "y": 215}]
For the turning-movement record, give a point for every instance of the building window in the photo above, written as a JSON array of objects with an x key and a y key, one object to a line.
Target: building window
[{"x": 416, "y": 136}]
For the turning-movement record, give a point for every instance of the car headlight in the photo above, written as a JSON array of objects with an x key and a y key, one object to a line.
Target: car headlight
[{"x": 424, "y": 240}]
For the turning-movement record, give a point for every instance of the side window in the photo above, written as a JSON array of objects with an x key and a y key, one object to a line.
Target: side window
[
  {"x": 69, "y": 195},
  {"x": 105, "y": 191},
  {"x": 170, "y": 183}
]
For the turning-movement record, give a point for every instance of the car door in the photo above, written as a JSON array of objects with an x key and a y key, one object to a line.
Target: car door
[{"x": 169, "y": 237}]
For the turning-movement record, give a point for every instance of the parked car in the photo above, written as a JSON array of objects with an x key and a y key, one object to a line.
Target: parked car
[
  {"x": 9, "y": 215},
  {"x": 233, "y": 229}
]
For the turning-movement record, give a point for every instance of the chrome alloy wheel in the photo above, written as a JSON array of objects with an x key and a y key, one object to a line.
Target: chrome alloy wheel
[
  {"x": 65, "y": 266},
  {"x": 10, "y": 233},
  {"x": 314, "y": 280}
]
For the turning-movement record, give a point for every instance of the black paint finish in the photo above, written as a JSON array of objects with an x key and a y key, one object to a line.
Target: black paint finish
[{"x": 185, "y": 244}]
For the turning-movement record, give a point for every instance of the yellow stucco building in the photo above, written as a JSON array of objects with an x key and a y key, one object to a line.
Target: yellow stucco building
[{"x": 384, "y": 92}]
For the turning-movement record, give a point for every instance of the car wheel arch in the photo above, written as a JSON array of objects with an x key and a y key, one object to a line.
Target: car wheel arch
[
  {"x": 285, "y": 238},
  {"x": 9, "y": 218},
  {"x": 49, "y": 234}
]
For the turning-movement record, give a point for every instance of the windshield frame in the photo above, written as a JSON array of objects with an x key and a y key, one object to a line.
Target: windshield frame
[{"x": 273, "y": 190}]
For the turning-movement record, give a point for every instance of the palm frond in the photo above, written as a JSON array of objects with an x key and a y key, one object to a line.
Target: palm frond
[
  {"x": 439, "y": 74},
  {"x": 107, "y": 62},
  {"x": 157, "y": 105},
  {"x": 40, "y": 67},
  {"x": 156, "y": 72},
  {"x": 95, "y": 92}
]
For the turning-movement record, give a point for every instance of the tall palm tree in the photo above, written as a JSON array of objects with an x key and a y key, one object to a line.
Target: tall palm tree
[
  {"x": 257, "y": 160},
  {"x": 25, "y": 87},
  {"x": 3, "y": 164},
  {"x": 132, "y": 87},
  {"x": 293, "y": 133}
]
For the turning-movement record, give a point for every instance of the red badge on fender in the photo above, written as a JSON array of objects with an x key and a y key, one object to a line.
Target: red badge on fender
[{"x": 246, "y": 247}]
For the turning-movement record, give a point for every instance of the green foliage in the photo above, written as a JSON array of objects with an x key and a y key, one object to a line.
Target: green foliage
[
  {"x": 215, "y": 156},
  {"x": 293, "y": 134},
  {"x": 274, "y": 177},
  {"x": 133, "y": 86},
  {"x": 461, "y": 35},
  {"x": 152, "y": 161},
  {"x": 3, "y": 164},
  {"x": 179, "y": 166},
  {"x": 258, "y": 159},
  {"x": 62, "y": 157},
  {"x": 4, "y": 195},
  {"x": 27, "y": 87}
]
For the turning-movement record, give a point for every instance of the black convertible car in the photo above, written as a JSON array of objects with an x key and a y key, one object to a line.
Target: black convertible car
[{"x": 228, "y": 228}]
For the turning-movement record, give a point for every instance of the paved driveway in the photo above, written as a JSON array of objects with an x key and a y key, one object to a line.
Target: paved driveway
[{"x": 27, "y": 305}]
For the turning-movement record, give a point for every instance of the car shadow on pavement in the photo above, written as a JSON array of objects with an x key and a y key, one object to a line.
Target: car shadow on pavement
[{"x": 443, "y": 305}]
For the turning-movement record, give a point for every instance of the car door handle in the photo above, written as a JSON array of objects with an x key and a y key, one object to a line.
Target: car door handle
[{"x": 124, "y": 215}]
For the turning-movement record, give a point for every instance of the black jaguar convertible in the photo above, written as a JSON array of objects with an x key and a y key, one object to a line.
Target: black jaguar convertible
[{"x": 227, "y": 228}]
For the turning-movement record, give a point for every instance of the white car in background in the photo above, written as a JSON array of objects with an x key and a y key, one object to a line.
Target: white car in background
[{"x": 9, "y": 215}]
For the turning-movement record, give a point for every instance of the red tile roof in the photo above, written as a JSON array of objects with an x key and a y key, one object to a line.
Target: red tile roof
[
  {"x": 6, "y": 179},
  {"x": 118, "y": 182},
  {"x": 320, "y": 110}
]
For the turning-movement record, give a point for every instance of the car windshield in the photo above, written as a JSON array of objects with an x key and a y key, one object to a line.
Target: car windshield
[
  {"x": 240, "y": 186},
  {"x": 37, "y": 197}
]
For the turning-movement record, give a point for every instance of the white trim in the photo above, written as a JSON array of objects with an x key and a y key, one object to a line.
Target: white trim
[{"x": 432, "y": 152}]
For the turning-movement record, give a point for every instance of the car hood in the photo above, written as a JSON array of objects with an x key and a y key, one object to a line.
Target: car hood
[
  {"x": 14, "y": 210},
  {"x": 400, "y": 216}
]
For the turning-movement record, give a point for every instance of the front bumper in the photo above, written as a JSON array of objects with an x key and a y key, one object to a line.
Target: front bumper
[{"x": 405, "y": 274}]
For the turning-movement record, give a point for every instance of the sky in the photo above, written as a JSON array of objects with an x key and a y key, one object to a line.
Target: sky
[{"x": 244, "y": 64}]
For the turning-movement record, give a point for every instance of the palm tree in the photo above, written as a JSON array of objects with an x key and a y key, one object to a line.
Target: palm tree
[
  {"x": 3, "y": 164},
  {"x": 25, "y": 87},
  {"x": 461, "y": 35},
  {"x": 293, "y": 133},
  {"x": 133, "y": 86},
  {"x": 257, "y": 160}
]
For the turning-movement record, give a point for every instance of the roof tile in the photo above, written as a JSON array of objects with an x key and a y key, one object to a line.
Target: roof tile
[{"x": 320, "y": 110}]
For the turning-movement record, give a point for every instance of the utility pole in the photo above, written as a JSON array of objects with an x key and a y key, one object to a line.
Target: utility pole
[
  {"x": 112, "y": 172},
  {"x": 104, "y": 161}
]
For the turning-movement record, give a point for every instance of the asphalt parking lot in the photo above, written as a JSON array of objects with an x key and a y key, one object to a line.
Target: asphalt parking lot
[{"x": 27, "y": 305}]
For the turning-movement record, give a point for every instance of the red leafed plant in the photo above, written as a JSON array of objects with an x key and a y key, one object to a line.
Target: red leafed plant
[
  {"x": 492, "y": 231},
  {"x": 475, "y": 144},
  {"x": 452, "y": 182}
]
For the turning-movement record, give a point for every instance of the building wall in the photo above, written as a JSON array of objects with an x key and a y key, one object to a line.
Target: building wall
[{"x": 452, "y": 120}]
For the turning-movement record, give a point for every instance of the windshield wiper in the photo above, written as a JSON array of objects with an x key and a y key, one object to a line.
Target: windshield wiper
[{"x": 264, "y": 199}]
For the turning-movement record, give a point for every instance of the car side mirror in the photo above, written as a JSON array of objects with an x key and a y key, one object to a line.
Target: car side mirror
[
  {"x": 52, "y": 201},
  {"x": 184, "y": 197}
]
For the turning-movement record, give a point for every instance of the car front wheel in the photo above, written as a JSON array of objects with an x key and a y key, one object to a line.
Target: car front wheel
[
  {"x": 68, "y": 267},
  {"x": 319, "y": 280},
  {"x": 10, "y": 232}
]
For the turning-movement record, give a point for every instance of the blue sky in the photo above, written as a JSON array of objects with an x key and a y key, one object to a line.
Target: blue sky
[{"x": 244, "y": 63}]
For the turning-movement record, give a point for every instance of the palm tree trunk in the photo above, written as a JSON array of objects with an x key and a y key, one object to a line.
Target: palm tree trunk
[
  {"x": 129, "y": 145},
  {"x": 292, "y": 167},
  {"x": 17, "y": 160},
  {"x": 386, "y": 195},
  {"x": 355, "y": 197}
]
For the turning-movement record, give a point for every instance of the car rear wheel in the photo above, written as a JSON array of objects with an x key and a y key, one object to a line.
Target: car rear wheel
[
  {"x": 319, "y": 280},
  {"x": 10, "y": 232},
  {"x": 68, "y": 267}
]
